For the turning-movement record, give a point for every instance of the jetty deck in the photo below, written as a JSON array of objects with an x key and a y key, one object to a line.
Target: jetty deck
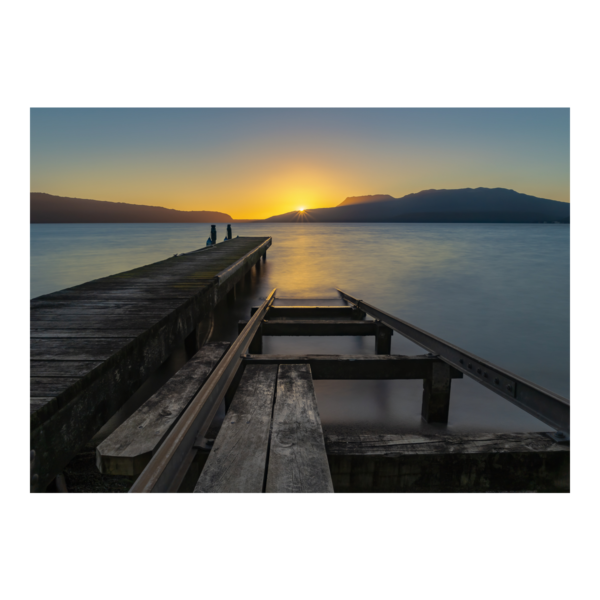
[{"x": 94, "y": 345}]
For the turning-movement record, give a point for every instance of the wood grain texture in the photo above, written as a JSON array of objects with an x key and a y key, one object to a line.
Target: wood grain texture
[
  {"x": 76, "y": 349},
  {"x": 401, "y": 444},
  {"x": 495, "y": 462},
  {"x": 66, "y": 368},
  {"x": 36, "y": 404},
  {"x": 85, "y": 333},
  {"x": 129, "y": 448},
  {"x": 356, "y": 366},
  {"x": 297, "y": 458},
  {"x": 237, "y": 462},
  {"x": 100, "y": 323},
  {"x": 49, "y": 386}
]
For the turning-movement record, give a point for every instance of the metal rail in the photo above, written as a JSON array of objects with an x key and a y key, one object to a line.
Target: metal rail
[
  {"x": 552, "y": 409},
  {"x": 165, "y": 467}
]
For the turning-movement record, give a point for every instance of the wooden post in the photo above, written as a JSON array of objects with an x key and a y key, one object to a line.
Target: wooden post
[
  {"x": 213, "y": 234},
  {"x": 383, "y": 339},
  {"x": 229, "y": 234},
  {"x": 264, "y": 256},
  {"x": 436, "y": 394}
]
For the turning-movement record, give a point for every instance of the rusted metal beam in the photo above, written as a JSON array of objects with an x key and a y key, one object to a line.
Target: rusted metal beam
[{"x": 552, "y": 409}]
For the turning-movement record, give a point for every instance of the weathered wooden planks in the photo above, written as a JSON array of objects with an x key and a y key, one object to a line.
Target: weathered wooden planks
[
  {"x": 129, "y": 448},
  {"x": 66, "y": 368},
  {"x": 84, "y": 322},
  {"x": 237, "y": 461},
  {"x": 85, "y": 333},
  {"x": 76, "y": 349},
  {"x": 448, "y": 463},
  {"x": 50, "y": 386},
  {"x": 167, "y": 302},
  {"x": 297, "y": 459},
  {"x": 356, "y": 366}
]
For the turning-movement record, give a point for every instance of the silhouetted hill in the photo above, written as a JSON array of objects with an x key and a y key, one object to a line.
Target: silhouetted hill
[
  {"x": 481, "y": 205},
  {"x": 46, "y": 208},
  {"x": 365, "y": 199}
]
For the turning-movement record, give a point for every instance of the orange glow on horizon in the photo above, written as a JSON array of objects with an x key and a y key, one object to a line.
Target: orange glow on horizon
[{"x": 258, "y": 163}]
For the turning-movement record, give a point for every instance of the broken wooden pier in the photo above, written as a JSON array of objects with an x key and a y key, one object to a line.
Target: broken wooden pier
[
  {"x": 93, "y": 346},
  {"x": 272, "y": 440}
]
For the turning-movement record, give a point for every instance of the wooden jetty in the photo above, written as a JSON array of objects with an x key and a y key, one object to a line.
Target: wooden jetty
[
  {"x": 94, "y": 345},
  {"x": 271, "y": 439}
]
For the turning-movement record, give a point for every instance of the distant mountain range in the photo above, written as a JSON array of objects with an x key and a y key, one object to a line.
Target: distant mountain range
[
  {"x": 480, "y": 205},
  {"x": 46, "y": 208},
  {"x": 365, "y": 199}
]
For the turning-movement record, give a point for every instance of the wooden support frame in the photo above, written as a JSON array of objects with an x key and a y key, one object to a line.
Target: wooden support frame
[
  {"x": 356, "y": 366},
  {"x": 383, "y": 339},
  {"x": 436, "y": 393},
  {"x": 483, "y": 462},
  {"x": 321, "y": 327},
  {"x": 552, "y": 409},
  {"x": 311, "y": 312}
]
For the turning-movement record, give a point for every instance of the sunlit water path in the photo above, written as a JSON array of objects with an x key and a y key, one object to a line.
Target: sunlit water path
[{"x": 500, "y": 291}]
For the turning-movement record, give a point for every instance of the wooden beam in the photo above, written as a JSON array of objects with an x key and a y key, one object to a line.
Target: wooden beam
[
  {"x": 129, "y": 448},
  {"x": 321, "y": 327},
  {"x": 494, "y": 462},
  {"x": 238, "y": 460},
  {"x": 356, "y": 366},
  {"x": 309, "y": 312},
  {"x": 297, "y": 459}
]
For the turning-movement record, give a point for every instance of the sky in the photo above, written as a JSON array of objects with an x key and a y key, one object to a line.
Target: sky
[{"x": 256, "y": 163}]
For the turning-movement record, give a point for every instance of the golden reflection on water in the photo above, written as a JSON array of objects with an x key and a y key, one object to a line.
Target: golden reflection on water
[{"x": 500, "y": 291}]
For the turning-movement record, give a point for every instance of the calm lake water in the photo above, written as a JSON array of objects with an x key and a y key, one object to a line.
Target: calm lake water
[{"x": 500, "y": 291}]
